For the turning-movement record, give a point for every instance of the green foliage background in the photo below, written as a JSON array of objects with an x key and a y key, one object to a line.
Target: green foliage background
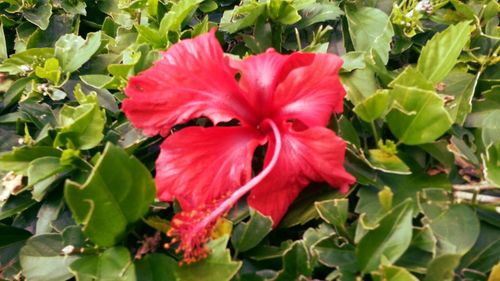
[{"x": 421, "y": 121}]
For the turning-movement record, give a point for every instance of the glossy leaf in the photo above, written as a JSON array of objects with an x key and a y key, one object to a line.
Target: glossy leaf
[
  {"x": 156, "y": 267},
  {"x": 381, "y": 159},
  {"x": 71, "y": 44},
  {"x": 248, "y": 235},
  {"x": 370, "y": 28},
  {"x": 440, "y": 53},
  {"x": 388, "y": 241},
  {"x": 461, "y": 87},
  {"x": 359, "y": 84},
  {"x": 394, "y": 273},
  {"x": 485, "y": 252},
  {"x": 442, "y": 268},
  {"x": 490, "y": 129},
  {"x": 112, "y": 264},
  {"x": 283, "y": 12},
  {"x": 42, "y": 172},
  {"x": 41, "y": 259},
  {"x": 490, "y": 162},
  {"x": 3, "y": 44},
  {"x": 39, "y": 15},
  {"x": 374, "y": 107},
  {"x": 18, "y": 160},
  {"x": 319, "y": 12},
  {"x": 81, "y": 126},
  {"x": 119, "y": 187},
  {"x": 418, "y": 115},
  {"x": 296, "y": 263},
  {"x": 179, "y": 12},
  {"x": 241, "y": 17},
  {"x": 10, "y": 235},
  {"x": 458, "y": 219},
  {"x": 49, "y": 71},
  {"x": 334, "y": 212}
]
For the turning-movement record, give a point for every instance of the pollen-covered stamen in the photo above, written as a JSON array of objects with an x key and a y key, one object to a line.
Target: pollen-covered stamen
[{"x": 193, "y": 228}]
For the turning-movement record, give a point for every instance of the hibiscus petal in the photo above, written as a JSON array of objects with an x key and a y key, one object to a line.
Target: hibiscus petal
[
  {"x": 310, "y": 93},
  {"x": 199, "y": 165},
  {"x": 261, "y": 74},
  {"x": 193, "y": 79},
  {"x": 315, "y": 154},
  {"x": 192, "y": 227}
]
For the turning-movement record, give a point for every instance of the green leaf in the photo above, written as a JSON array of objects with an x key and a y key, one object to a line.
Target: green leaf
[
  {"x": 442, "y": 268},
  {"x": 10, "y": 235},
  {"x": 343, "y": 258},
  {"x": 49, "y": 71},
  {"x": 373, "y": 107},
  {"x": 348, "y": 132},
  {"x": 73, "y": 51},
  {"x": 353, "y": 60},
  {"x": 491, "y": 160},
  {"x": 16, "y": 204},
  {"x": 303, "y": 210},
  {"x": 418, "y": 181},
  {"x": 208, "y": 6},
  {"x": 334, "y": 211},
  {"x": 180, "y": 11},
  {"x": 42, "y": 172},
  {"x": 60, "y": 24},
  {"x": 96, "y": 80},
  {"x": 445, "y": 220},
  {"x": 282, "y": 11},
  {"x": 359, "y": 84},
  {"x": 482, "y": 108},
  {"x": 440, "y": 54},
  {"x": 463, "y": 9},
  {"x": 484, "y": 254},
  {"x": 439, "y": 151},
  {"x": 81, "y": 126},
  {"x": 113, "y": 264},
  {"x": 117, "y": 193},
  {"x": 388, "y": 241},
  {"x": 319, "y": 12},
  {"x": 370, "y": 28},
  {"x": 15, "y": 91},
  {"x": 156, "y": 267},
  {"x": 241, "y": 16},
  {"x": 76, "y": 7},
  {"x": 23, "y": 62},
  {"x": 461, "y": 87},
  {"x": 382, "y": 160},
  {"x": 490, "y": 129},
  {"x": 18, "y": 160},
  {"x": 248, "y": 235},
  {"x": 41, "y": 259},
  {"x": 3, "y": 44},
  {"x": 49, "y": 211},
  {"x": 218, "y": 266},
  {"x": 385, "y": 198},
  {"x": 418, "y": 115},
  {"x": 394, "y": 273},
  {"x": 39, "y": 15},
  {"x": 296, "y": 263},
  {"x": 152, "y": 36}
]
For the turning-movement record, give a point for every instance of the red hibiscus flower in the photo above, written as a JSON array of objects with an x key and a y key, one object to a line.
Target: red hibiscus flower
[{"x": 284, "y": 101}]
